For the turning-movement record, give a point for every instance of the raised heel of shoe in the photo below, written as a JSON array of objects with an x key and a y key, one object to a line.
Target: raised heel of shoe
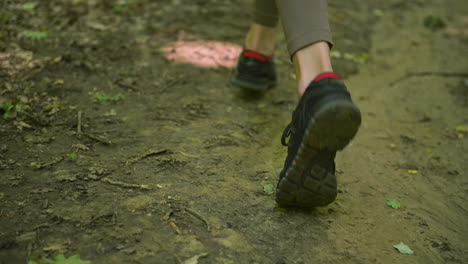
[
  {"x": 333, "y": 126},
  {"x": 310, "y": 181}
]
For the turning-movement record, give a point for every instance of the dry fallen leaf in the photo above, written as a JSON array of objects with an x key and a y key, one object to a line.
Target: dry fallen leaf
[{"x": 194, "y": 259}]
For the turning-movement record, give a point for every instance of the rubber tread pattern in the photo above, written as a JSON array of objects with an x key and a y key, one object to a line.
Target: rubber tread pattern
[{"x": 310, "y": 180}]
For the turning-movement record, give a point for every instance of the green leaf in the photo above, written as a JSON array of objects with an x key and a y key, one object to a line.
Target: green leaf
[
  {"x": 29, "y": 6},
  {"x": 403, "y": 249},
  {"x": 335, "y": 54},
  {"x": 73, "y": 155},
  {"x": 118, "y": 8},
  {"x": 60, "y": 259},
  {"x": 378, "y": 12},
  {"x": 37, "y": 35},
  {"x": 122, "y": 6},
  {"x": 462, "y": 129},
  {"x": 102, "y": 97},
  {"x": 8, "y": 110},
  {"x": 393, "y": 203},
  {"x": 269, "y": 189},
  {"x": 277, "y": 61}
]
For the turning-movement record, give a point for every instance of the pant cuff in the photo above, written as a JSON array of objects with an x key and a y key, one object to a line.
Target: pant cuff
[
  {"x": 308, "y": 38},
  {"x": 264, "y": 19}
]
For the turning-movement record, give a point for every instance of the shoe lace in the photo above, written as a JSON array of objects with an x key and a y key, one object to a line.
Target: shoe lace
[{"x": 286, "y": 133}]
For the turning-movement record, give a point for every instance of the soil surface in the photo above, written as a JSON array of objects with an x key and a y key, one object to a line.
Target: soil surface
[{"x": 110, "y": 151}]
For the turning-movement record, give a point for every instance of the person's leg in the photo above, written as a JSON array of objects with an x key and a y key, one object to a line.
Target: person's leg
[
  {"x": 262, "y": 34},
  {"x": 261, "y": 39},
  {"x": 325, "y": 119},
  {"x": 307, "y": 30},
  {"x": 255, "y": 69},
  {"x": 306, "y": 26}
]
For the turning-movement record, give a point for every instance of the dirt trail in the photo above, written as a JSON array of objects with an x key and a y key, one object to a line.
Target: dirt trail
[{"x": 176, "y": 166}]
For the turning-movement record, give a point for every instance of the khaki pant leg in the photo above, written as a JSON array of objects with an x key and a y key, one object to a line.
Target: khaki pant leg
[
  {"x": 305, "y": 22},
  {"x": 265, "y": 13}
]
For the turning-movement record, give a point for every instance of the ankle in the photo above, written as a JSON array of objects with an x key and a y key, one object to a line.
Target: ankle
[
  {"x": 261, "y": 39},
  {"x": 304, "y": 84},
  {"x": 311, "y": 61}
]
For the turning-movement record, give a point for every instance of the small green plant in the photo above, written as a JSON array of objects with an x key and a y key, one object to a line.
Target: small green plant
[
  {"x": 393, "y": 203},
  {"x": 123, "y": 73},
  {"x": 8, "y": 110},
  {"x": 35, "y": 164},
  {"x": 53, "y": 106},
  {"x": 73, "y": 155},
  {"x": 269, "y": 189},
  {"x": 121, "y": 6},
  {"x": 11, "y": 110},
  {"x": 37, "y": 35},
  {"x": 103, "y": 97},
  {"x": 30, "y": 6},
  {"x": 60, "y": 259}
]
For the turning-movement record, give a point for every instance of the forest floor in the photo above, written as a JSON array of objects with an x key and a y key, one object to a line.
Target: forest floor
[{"x": 110, "y": 151}]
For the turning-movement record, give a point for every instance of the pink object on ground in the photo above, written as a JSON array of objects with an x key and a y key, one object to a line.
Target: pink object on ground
[{"x": 205, "y": 54}]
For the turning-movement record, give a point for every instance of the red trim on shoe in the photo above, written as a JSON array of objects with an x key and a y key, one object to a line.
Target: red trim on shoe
[
  {"x": 256, "y": 55},
  {"x": 327, "y": 75}
]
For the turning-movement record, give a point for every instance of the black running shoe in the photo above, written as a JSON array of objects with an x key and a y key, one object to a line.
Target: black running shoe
[
  {"x": 325, "y": 121},
  {"x": 254, "y": 71}
]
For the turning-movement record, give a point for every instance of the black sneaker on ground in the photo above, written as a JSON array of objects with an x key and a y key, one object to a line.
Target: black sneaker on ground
[
  {"x": 325, "y": 121},
  {"x": 254, "y": 71}
]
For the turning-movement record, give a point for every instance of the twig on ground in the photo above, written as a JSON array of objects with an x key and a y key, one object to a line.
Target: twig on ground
[
  {"x": 103, "y": 131},
  {"x": 79, "y": 132},
  {"x": 126, "y": 185},
  {"x": 78, "y": 125},
  {"x": 98, "y": 139},
  {"x": 109, "y": 82},
  {"x": 195, "y": 258},
  {"x": 122, "y": 83},
  {"x": 185, "y": 154},
  {"x": 180, "y": 121},
  {"x": 175, "y": 227},
  {"x": 429, "y": 73},
  {"x": 199, "y": 216},
  {"x": 146, "y": 155},
  {"x": 41, "y": 165},
  {"x": 43, "y": 225}
]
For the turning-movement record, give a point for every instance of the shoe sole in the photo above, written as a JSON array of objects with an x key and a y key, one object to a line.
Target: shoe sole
[
  {"x": 252, "y": 86},
  {"x": 308, "y": 182}
]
